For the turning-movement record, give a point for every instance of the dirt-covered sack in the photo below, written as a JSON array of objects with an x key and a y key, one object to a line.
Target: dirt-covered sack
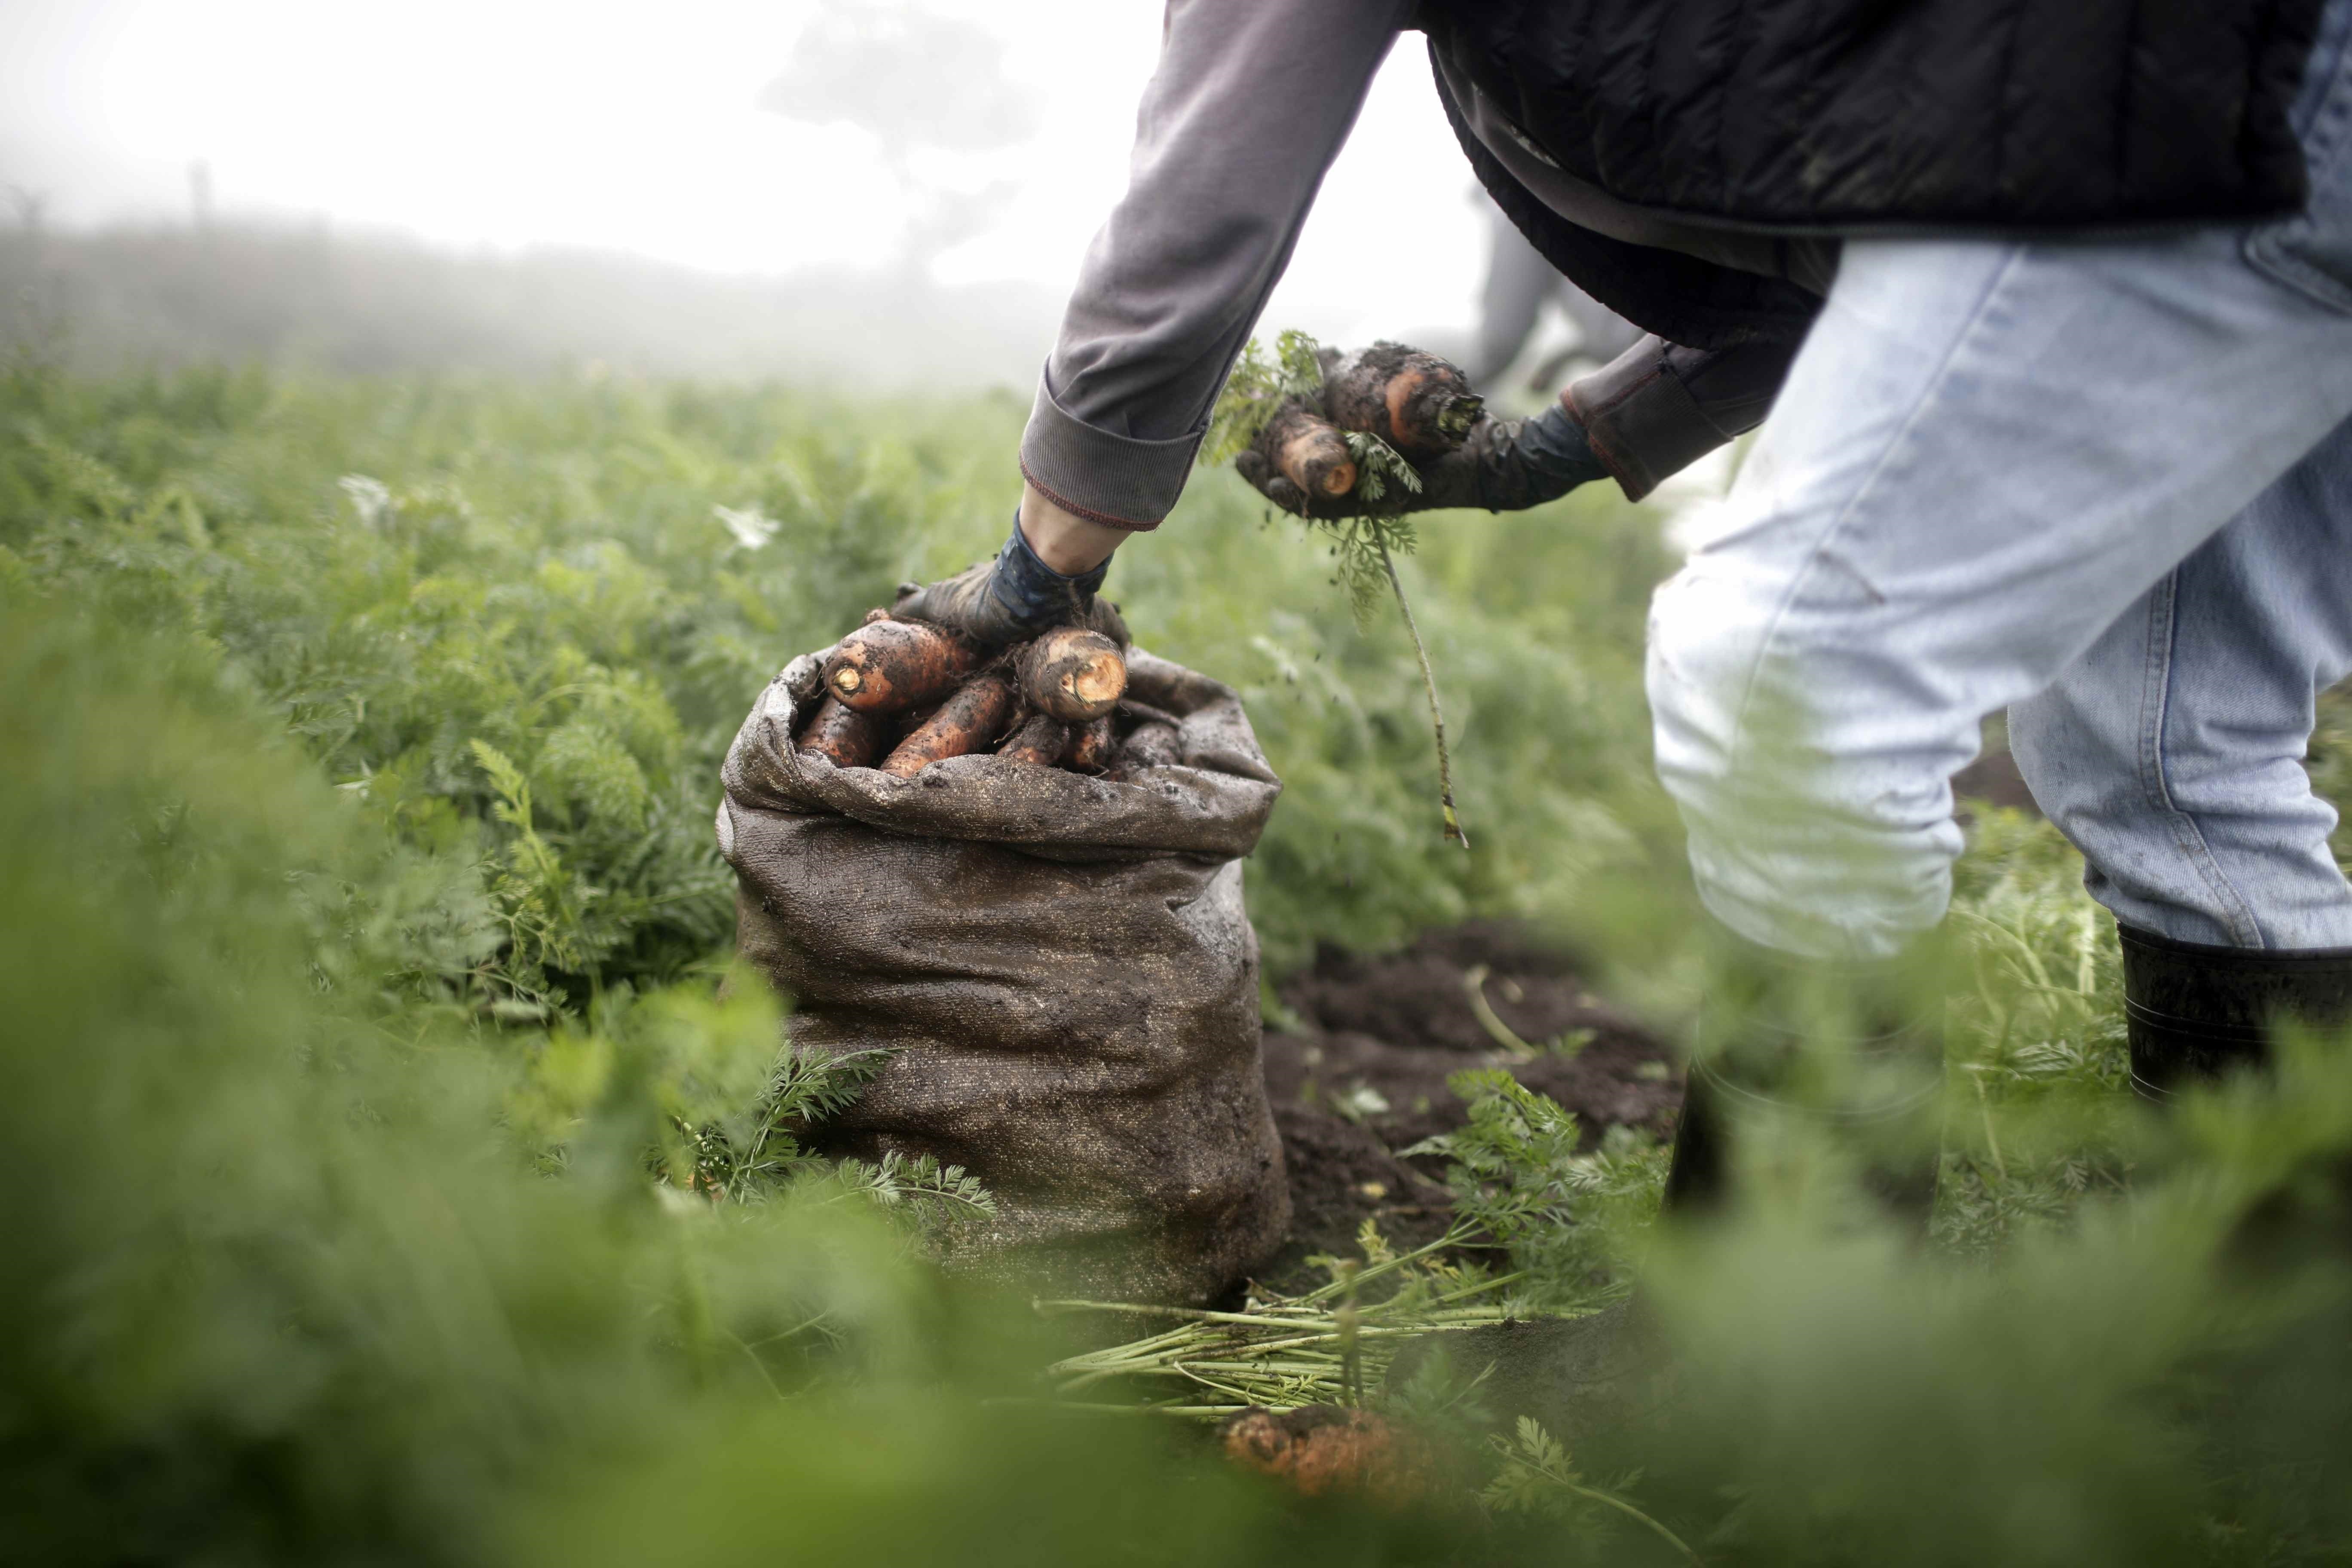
[{"x": 1062, "y": 968}]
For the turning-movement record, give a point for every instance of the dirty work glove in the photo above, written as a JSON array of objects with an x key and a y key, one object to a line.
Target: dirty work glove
[
  {"x": 1659, "y": 407},
  {"x": 1504, "y": 464},
  {"x": 1011, "y": 598}
]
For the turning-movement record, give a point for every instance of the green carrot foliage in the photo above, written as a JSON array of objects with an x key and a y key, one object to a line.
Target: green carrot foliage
[{"x": 396, "y": 1172}]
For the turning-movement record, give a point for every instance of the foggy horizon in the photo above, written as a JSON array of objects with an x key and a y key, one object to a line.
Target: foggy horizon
[{"x": 940, "y": 146}]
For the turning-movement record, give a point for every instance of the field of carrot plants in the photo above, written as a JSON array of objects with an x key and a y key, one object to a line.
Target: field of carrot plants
[{"x": 399, "y": 1170}]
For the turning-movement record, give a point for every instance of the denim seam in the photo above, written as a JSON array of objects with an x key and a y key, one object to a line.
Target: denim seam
[
  {"x": 1814, "y": 556},
  {"x": 2155, "y": 713}
]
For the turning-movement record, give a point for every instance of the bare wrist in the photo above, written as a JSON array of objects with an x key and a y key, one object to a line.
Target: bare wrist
[{"x": 1064, "y": 540}]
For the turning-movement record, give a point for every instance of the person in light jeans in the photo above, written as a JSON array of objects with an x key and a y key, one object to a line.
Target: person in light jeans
[
  {"x": 2053, "y": 322},
  {"x": 2105, "y": 484}
]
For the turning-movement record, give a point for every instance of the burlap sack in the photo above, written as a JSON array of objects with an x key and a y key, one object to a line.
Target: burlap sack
[{"x": 1064, "y": 968}]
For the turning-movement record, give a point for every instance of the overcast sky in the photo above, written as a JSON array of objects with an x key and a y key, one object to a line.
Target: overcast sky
[{"x": 515, "y": 122}]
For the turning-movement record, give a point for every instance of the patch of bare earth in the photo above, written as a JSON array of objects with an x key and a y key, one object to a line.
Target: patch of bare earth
[{"x": 1366, "y": 1080}]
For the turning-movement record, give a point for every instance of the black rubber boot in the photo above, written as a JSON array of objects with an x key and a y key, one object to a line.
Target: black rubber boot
[
  {"x": 1750, "y": 1065},
  {"x": 1698, "y": 1171},
  {"x": 2195, "y": 1012},
  {"x": 1573, "y": 1375}
]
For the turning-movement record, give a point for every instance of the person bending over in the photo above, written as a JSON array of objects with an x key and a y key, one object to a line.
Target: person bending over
[{"x": 2052, "y": 308}]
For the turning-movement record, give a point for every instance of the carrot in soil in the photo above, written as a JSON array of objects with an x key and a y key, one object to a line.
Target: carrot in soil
[
  {"x": 965, "y": 723},
  {"x": 1043, "y": 739},
  {"x": 843, "y": 736},
  {"x": 1309, "y": 450},
  {"x": 887, "y": 665},
  {"x": 1091, "y": 747},
  {"x": 1320, "y": 1449},
  {"x": 1416, "y": 401},
  {"x": 1074, "y": 674}
]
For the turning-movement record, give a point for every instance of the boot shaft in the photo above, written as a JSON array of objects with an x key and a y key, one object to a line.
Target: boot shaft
[
  {"x": 1852, "y": 1050},
  {"x": 2194, "y": 1013}
]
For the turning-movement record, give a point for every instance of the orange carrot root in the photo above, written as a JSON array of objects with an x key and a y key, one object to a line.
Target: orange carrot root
[
  {"x": 844, "y": 736},
  {"x": 1073, "y": 674},
  {"x": 886, "y": 666},
  {"x": 1042, "y": 739},
  {"x": 1091, "y": 748},
  {"x": 1416, "y": 401},
  {"x": 966, "y": 722},
  {"x": 1309, "y": 450},
  {"x": 1321, "y": 1449}
]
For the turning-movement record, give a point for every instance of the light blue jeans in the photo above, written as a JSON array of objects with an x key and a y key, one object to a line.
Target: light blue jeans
[{"x": 2105, "y": 484}]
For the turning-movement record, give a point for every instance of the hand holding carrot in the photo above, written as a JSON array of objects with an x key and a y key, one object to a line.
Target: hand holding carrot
[{"x": 1428, "y": 421}]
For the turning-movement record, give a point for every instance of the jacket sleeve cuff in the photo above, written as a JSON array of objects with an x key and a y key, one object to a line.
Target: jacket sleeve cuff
[
  {"x": 1658, "y": 407},
  {"x": 1117, "y": 480}
]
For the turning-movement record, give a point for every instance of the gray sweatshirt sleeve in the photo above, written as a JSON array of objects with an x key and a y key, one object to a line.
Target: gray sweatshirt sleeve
[{"x": 1250, "y": 102}]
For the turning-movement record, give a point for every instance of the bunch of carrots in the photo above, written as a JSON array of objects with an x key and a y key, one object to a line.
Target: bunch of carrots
[
  {"x": 1420, "y": 406},
  {"x": 1351, "y": 426},
  {"x": 911, "y": 694}
]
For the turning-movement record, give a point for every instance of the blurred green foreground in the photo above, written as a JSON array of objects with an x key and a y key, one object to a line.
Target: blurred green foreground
[{"x": 366, "y": 1088}]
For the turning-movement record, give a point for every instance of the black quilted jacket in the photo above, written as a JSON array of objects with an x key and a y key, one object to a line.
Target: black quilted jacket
[{"x": 1855, "y": 116}]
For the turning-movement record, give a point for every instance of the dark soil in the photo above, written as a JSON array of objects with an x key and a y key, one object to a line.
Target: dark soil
[
  {"x": 1397, "y": 1026},
  {"x": 1400, "y": 1023}
]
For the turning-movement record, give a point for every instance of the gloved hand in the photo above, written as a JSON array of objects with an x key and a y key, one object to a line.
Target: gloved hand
[
  {"x": 1504, "y": 464},
  {"x": 1012, "y": 599}
]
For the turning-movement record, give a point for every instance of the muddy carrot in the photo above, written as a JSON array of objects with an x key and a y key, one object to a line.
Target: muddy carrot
[
  {"x": 1149, "y": 746},
  {"x": 1073, "y": 674},
  {"x": 1042, "y": 739},
  {"x": 1309, "y": 450},
  {"x": 844, "y": 736},
  {"x": 887, "y": 665},
  {"x": 1091, "y": 747},
  {"x": 904, "y": 724},
  {"x": 965, "y": 723},
  {"x": 1322, "y": 1450},
  {"x": 1416, "y": 401}
]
